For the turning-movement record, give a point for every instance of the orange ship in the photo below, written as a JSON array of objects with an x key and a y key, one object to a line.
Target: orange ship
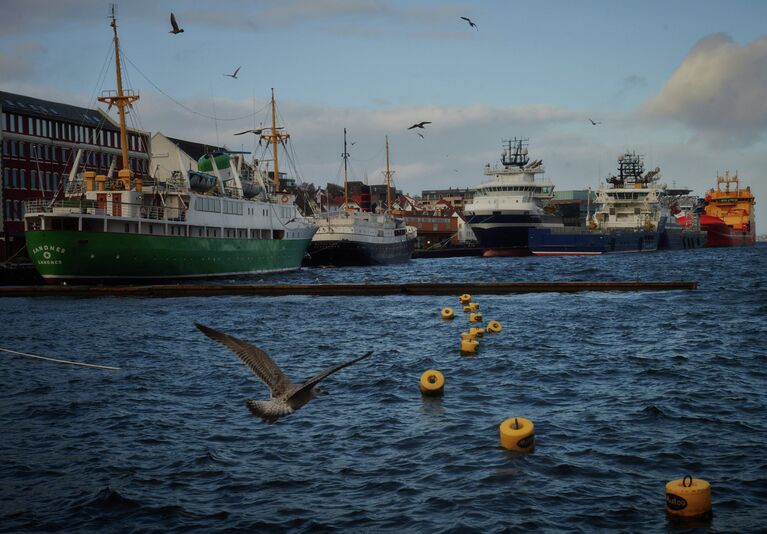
[{"x": 728, "y": 218}]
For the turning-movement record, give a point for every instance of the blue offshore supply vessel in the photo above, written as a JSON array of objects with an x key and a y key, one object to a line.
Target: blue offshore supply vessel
[{"x": 627, "y": 218}]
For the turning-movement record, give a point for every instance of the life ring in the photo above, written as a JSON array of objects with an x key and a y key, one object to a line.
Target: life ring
[
  {"x": 143, "y": 212},
  {"x": 285, "y": 199}
]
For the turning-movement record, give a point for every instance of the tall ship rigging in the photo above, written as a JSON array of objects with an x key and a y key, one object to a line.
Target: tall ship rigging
[
  {"x": 512, "y": 202},
  {"x": 353, "y": 237},
  {"x": 212, "y": 222}
]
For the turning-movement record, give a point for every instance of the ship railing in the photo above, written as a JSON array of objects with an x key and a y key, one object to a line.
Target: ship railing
[{"x": 103, "y": 209}]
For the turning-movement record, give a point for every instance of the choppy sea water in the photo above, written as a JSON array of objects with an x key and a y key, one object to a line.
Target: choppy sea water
[{"x": 627, "y": 391}]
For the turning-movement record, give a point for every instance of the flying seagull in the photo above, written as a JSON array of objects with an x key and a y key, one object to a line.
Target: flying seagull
[
  {"x": 594, "y": 123},
  {"x": 419, "y": 125},
  {"x": 173, "y": 23},
  {"x": 257, "y": 131},
  {"x": 235, "y": 73},
  {"x": 286, "y": 397},
  {"x": 419, "y": 133},
  {"x": 467, "y": 19}
]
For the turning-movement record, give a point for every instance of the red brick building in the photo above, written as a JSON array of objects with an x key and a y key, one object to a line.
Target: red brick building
[{"x": 40, "y": 140}]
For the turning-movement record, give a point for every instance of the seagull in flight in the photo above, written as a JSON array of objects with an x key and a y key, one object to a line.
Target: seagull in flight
[
  {"x": 419, "y": 133},
  {"x": 257, "y": 131},
  {"x": 235, "y": 73},
  {"x": 471, "y": 24},
  {"x": 419, "y": 125},
  {"x": 594, "y": 123},
  {"x": 286, "y": 397},
  {"x": 173, "y": 23}
]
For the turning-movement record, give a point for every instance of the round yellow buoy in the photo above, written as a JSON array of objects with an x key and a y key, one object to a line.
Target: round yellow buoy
[
  {"x": 475, "y": 318},
  {"x": 467, "y": 336},
  {"x": 447, "y": 313},
  {"x": 477, "y": 331},
  {"x": 473, "y": 306},
  {"x": 518, "y": 434},
  {"x": 494, "y": 327},
  {"x": 465, "y": 298},
  {"x": 469, "y": 346},
  {"x": 466, "y": 309},
  {"x": 432, "y": 382},
  {"x": 688, "y": 497}
]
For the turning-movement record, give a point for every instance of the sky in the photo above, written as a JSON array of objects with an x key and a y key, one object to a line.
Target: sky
[{"x": 683, "y": 83}]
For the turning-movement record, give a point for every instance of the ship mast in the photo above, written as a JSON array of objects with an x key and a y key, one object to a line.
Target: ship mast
[
  {"x": 388, "y": 177},
  {"x": 275, "y": 137},
  {"x": 345, "y": 155},
  {"x": 121, "y": 100}
]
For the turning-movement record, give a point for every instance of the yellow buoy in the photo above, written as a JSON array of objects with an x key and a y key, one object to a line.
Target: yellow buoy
[
  {"x": 473, "y": 306},
  {"x": 465, "y": 298},
  {"x": 466, "y": 309},
  {"x": 475, "y": 318},
  {"x": 447, "y": 313},
  {"x": 478, "y": 331},
  {"x": 494, "y": 327},
  {"x": 518, "y": 434},
  {"x": 469, "y": 346},
  {"x": 688, "y": 497},
  {"x": 432, "y": 382},
  {"x": 468, "y": 335}
]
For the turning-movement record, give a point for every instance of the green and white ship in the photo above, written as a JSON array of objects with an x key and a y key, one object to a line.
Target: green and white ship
[{"x": 213, "y": 222}]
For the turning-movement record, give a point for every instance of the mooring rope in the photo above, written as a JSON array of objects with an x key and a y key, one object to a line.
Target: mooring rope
[{"x": 60, "y": 361}]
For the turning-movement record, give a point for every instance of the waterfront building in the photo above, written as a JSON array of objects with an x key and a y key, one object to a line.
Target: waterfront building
[
  {"x": 40, "y": 143},
  {"x": 455, "y": 197}
]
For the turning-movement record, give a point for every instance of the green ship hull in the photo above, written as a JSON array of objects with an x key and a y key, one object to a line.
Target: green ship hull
[{"x": 62, "y": 256}]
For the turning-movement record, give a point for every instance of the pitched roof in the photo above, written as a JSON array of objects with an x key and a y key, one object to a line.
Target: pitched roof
[
  {"x": 195, "y": 150},
  {"x": 56, "y": 110}
]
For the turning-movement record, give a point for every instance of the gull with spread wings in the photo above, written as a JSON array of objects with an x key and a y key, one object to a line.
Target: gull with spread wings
[
  {"x": 174, "y": 25},
  {"x": 286, "y": 397}
]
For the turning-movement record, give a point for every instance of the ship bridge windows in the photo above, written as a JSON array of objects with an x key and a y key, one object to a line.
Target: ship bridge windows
[
  {"x": 232, "y": 207},
  {"x": 207, "y": 204}
]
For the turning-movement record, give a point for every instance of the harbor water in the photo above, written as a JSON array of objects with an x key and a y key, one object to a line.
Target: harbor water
[{"x": 627, "y": 391}]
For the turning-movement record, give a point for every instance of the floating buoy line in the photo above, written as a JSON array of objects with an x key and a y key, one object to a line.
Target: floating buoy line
[{"x": 57, "y": 360}]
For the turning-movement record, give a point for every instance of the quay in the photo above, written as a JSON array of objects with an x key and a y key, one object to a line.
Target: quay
[{"x": 339, "y": 290}]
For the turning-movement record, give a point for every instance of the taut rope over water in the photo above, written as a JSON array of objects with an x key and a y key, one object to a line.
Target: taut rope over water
[{"x": 55, "y": 360}]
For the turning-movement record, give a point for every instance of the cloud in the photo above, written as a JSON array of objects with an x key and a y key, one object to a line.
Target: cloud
[
  {"x": 20, "y": 64},
  {"x": 629, "y": 84},
  {"x": 719, "y": 91}
]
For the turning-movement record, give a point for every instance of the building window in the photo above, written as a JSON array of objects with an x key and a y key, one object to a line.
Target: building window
[
  {"x": 31, "y": 130},
  {"x": 13, "y": 148},
  {"x": 32, "y": 179},
  {"x": 45, "y": 128},
  {"x": 21, "y": 149},
  {"x": 54, "y": 149},
  {"x": 55, "y": 181},
  {"x": 6, "y": 178},
  {"x": 5, "y": 121},
  {"x": 57, "y": 131},
  {"x": 48, "y": 181},
  {"x": 5, "y": 148},
  {"x": 101, "y": 137},
  {"x": 38, "y": 127},
  {"x": 15, "y": 181},
  {"x": 23, "y": 179}
]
